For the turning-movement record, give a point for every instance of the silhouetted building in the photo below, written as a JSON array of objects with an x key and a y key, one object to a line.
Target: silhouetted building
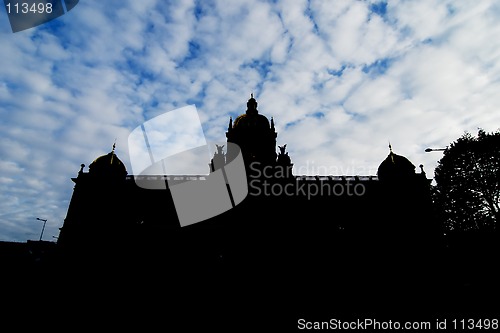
[
  {"x": 284, "y": 215},
  {"x": 297, "y": 245}
]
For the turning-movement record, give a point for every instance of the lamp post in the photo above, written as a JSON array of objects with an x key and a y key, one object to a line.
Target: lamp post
[
  {"x": 43, "y": 228},
  {"x": 434, "y": 149}
]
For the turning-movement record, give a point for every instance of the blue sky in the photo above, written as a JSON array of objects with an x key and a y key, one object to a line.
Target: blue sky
[{"x": 340, "y": 78}]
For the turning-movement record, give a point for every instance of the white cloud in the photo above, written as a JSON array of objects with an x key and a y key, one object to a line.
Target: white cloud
[{"x": 421, "y": 19}]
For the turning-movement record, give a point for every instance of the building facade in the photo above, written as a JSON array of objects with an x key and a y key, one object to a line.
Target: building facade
[{"x": 283, "y": 218}]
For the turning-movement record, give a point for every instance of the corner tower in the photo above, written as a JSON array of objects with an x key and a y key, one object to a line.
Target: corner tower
[{"x": 92, "y": 215}]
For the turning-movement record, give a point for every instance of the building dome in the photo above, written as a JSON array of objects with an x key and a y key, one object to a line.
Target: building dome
[
  {"x": 395, "y": 167},
  {"x": 108, "y": 165},
  {"x": 255, "y": 121},
  {"x": 251, "y": 118}
]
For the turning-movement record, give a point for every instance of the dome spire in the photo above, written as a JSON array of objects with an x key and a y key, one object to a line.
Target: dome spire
[
  {"x": 252, "y": 105},
  {"x": 113, "y": 152},
  {"x": 390, "y": 152}
]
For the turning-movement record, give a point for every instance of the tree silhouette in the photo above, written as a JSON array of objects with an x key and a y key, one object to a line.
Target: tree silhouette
[{"x": 467, "y": 190}]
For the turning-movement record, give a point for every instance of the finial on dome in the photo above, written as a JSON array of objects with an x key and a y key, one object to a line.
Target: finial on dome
[
  {"x": 252, "y": 105},
  {"x": 230, "y": 123},
  {"x": 113, "y": 152},
  {"x": 390, "y": 152},
  {"x": 272, "y": 123}
]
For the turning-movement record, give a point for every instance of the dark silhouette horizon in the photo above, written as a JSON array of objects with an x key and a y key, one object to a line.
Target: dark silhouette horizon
[{"x": 295, "y": 247}]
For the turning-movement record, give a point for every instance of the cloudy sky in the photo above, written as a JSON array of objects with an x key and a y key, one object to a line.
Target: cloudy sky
[{"x": 341, "y": 79}]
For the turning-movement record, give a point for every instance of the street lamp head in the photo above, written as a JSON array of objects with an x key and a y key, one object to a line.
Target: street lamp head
[{"x": 434, "y": 149}]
